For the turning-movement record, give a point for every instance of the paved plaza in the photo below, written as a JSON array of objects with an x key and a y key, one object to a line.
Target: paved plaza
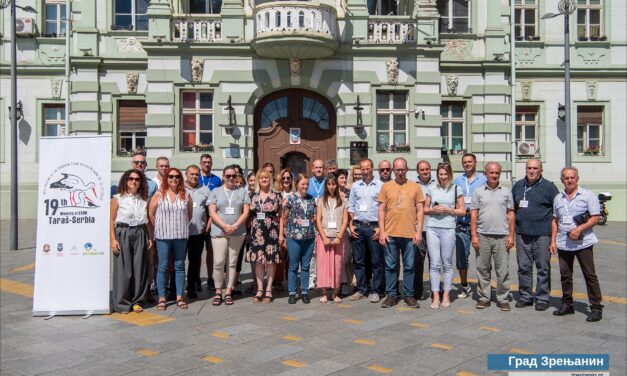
[{"x": 352, "y": 338}]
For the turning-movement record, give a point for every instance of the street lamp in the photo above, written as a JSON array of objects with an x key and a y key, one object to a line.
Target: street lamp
[
  {"x": 566, "y": 8},
  {"x": 13, "y": 227}
]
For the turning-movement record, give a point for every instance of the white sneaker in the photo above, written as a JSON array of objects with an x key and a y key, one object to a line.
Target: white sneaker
[
  {"x": 356, "y": 296},
  {"x": 374, "y": 298},
  {"x": 464, "y": 292}
]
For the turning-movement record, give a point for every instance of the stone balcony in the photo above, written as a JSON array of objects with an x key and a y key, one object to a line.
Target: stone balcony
[
  {"x": 201, "y": 29},
  {"x": 391, "y": 30},
  {"x": 295, "y": 29}
]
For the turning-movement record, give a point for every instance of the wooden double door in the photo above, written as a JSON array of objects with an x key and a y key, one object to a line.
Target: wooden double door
[{"x": 293, "y": 128}]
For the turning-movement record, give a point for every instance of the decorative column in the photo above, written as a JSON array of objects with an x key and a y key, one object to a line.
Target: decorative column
[
  {"x": 159, "y": 15},
  {"x": 233, "y": 18},
  {"x": 356, "y": 22}
]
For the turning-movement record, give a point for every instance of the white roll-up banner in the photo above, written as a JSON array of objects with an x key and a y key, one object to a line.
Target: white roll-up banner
[{"x": 72, "y": 255}]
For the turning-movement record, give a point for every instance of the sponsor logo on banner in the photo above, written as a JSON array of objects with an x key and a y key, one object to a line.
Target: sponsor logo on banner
[
  {"x": 91, "y": 251},
  {"x": 60, "y": 247},
  {"x": 46, "y": 248}
]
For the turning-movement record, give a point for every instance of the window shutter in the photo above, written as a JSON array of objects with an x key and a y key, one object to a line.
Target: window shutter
[
  {"x": 589, "y": 115},
  {"x": 132, "y": 114}
]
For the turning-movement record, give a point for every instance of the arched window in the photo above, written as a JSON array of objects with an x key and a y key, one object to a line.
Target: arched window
[
  {"x": 314, "y": 110},
  {"x": 274, "y": 110}
]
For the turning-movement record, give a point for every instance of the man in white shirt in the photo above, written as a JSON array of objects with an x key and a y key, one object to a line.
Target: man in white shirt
[{"x": 163, "y": 167}]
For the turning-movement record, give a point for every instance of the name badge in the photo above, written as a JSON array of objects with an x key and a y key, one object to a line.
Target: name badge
[
  {"x": 304, "y": 223},
  {"x": 523, "y": 204},
  {"x": 195, "y": 204},
  {"x": 332, "y": 225},
  {"x": 567, "y": 220},
  {"x": 229, "y": 210},
  {"x": 261, "y": 216},
  {"x": 467, "y": 200},
  {"x": 363, "y": 208}
]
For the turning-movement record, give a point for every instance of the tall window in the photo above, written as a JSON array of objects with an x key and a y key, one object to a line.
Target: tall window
[
  {"x": 589, "y": 16},
  {"x": 131, "y": 14},
  {"x": 527, "y": 126},
  {"x": 197, "y": 120},
  {"x": 205, "y": 6},
  {"x": 526, "y": 19},
  {"x": 382, "y": 7},
  {"x": 452, "y": 130},
  {"x": 392, "y": 122},
  {"x": 454, "y": 16},
  {"x": 590, "y": 130},
  {"x": 132, "y": 126},
  {"x": 54, "y": 13},
  {"x": 54, "y": 120}
]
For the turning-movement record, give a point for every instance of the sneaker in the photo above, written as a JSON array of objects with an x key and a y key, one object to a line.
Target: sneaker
[
  {"x": 292, "y": 299},
  {"x": 542, "y": 306},
  {"x": 390, "y": 301},
  {"x": 523, "y": 304},
  {"x": 464, "y": 291},
  {"x": 482, "y": 304},
  {"x": 356, "y": 296},
  {"x": 411, "y": 302},
  {"x": 564, "y": 310},
  {"x": 374, "y": 298},
  {"x": 305, "y": 299},
  {"x": 504, "y": 306}
]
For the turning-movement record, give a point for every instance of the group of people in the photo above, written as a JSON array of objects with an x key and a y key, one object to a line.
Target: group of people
[{"x": 337, "y": 228}]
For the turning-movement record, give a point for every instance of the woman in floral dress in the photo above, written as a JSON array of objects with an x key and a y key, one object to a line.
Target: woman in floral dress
[{"x": 264, "y": 252}]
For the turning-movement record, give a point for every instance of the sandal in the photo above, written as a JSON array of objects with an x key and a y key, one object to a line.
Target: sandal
[
  {"x": 137, "y": 308},
  {"x": 337, "y": 299},
  {"x": 323, "y": 299},
  {"x": 161, "y": 306},
  {"x": 228, "y": 300},
  {"x": 217, "y": 300},
  {"x": 258, "y": 298},
  {"x": 181, "y": 304},
  {"x": 268, "y": 298}
]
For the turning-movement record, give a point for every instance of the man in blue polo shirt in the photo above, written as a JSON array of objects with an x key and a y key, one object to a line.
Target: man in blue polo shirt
[
  {"x": 468, "y": 182},
  {"x": 533, "y": 205}
]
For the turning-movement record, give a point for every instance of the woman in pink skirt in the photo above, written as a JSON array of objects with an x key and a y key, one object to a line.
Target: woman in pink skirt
[{"x": 331, "y": 221}]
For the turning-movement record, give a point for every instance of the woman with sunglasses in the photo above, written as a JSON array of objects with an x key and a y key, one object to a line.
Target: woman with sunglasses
[
  {"x": 264, "y": 253},
  {"x": 228, "y": 208},
  {"x": 131, "y": 237},
  {"x": 297, "y": 231},
  {"x": 171, "y": 210},
  {"x": 443, "y": 202},
  {"x": 283, "y": 184}
]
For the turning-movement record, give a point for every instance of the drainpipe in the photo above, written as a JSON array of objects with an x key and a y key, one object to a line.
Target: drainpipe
[
  {"x": 512, "y": 59},
  {"x": 68, "y": 32}
]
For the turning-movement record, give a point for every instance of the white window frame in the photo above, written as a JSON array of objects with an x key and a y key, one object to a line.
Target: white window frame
[
  {"x": 133, "y": 15},
  {"x": 390, "y": 111},
  {"x": 59, "y": 122},
  {"x": 133, "y": 138},
  {"x": 587, "y": 7},
  {"x": 60, "y": 4},
  {"x": 526, "y": 123},
  {"x": 586, "y": 133},
  {"x": 197, "y": 111},
  {"x": 448, "y": 122},
  {"x": 449, "y": 7},
  {"x": 522, "y": 6}
]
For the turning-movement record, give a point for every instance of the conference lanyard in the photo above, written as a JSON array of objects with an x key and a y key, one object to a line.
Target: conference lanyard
[
  {"x": 319, "y": 186},
  {"x": 364, "y": 207},
  {"x": 527, "y": 189},
  {"x": 230, "y": 209}
]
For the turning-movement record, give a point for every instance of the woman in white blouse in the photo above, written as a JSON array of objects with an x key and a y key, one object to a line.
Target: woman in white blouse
[{"x": 131, "y": 236}]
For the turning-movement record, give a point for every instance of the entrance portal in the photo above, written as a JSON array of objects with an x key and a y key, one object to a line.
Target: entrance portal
[{"x": 293, "y": 128}]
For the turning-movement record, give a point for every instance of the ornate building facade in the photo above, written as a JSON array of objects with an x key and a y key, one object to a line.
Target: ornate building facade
[{"x": 291, "y": 81}]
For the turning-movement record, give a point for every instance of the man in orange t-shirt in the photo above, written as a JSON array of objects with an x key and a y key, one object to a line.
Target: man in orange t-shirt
[{"x": 400, "y": 224}]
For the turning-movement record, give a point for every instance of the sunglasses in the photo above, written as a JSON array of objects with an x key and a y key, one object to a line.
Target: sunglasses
[
  {"x": 177, "y": 177},
  {"x": 385, "y": 169},
  {"x": 229, "y": 176},
  {"x": 135, "y": 179},
  {"x": 139, "y": 162},
  {"x": 287, "y": 178}
]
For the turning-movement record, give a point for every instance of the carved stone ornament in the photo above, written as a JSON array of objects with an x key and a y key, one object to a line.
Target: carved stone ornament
[
  {"x": 197, "y": 69},
  {"x": 391, "y": 67},
  {"x": 591, "y": 90},
  {"x": 55, "y": 87},
  {"x": 528, "y": 56},
  {"x": 425, "y": 8},
  {"x": 130, "y": 44},
  {"x": 452, "y": 81},
  {"x": 591, "y": 56},
  {"x": 455, "y": 47},
  {"x": 131, "y": 82},
  {"x": 525, "y": 90},
  {"x": 295, "y": 67}
]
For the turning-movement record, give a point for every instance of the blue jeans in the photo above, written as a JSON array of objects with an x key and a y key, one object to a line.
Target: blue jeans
[
  {"x": 441, "y": 243},
  {"x": 178, "y": 248},
  {"x": 299, "y": 252},
  {"x": 406, "y": 247},
  {"x": 363, "y": 246},
  {"x": 462, "y": 246}
]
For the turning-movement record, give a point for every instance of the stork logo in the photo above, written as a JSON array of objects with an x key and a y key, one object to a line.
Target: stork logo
[
  {"x": 73, "y": 185},
  {"x": 81, "y": 194}
]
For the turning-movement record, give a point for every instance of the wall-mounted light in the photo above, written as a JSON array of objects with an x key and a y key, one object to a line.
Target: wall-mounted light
[
  {"x": 358, "y": 109},
  {"x": 232, "y": 120},
  {"x": 19, "y": 109},
  {"x": 561, "y": 111},
  {"x": 419, "y": 112}
]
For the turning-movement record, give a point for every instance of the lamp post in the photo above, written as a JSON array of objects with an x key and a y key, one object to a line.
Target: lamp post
[
  {"x": 13, "y": 227},
  {"x": 566, "y": 8}
]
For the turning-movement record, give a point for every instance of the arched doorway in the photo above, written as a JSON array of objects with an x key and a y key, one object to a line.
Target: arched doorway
[{"x": 293, "y": 128}]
